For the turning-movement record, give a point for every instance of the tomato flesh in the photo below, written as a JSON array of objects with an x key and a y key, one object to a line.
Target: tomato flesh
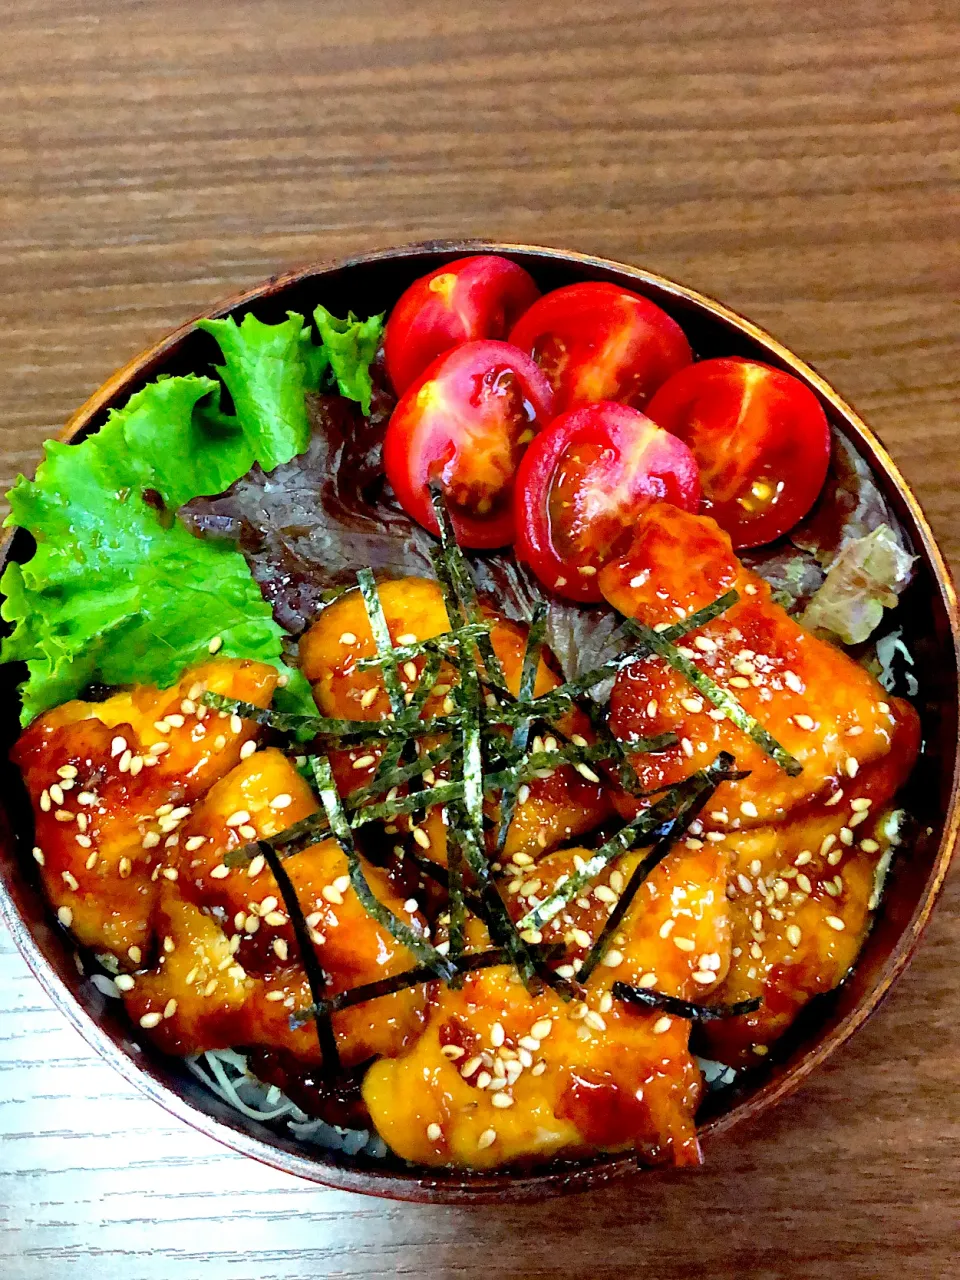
[
  {"x": 465, "y": 301},
  {"x": 761, "y": 439},
  {"x": 582, "y": 484},
  {"x": 465, "y": 424},
  {"x": 597, "y": 341}
]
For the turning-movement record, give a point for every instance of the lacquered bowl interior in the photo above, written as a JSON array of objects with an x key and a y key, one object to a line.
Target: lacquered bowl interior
[{"x": 928, "y": 615}]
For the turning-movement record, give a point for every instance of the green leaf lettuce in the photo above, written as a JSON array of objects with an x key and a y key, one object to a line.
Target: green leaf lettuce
[{"x": 118, "y": 590}]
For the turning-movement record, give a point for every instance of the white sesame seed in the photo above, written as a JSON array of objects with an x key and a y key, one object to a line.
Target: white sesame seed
[
  {"x": 348, "y": 637},
  {"x": 364, "y": 762},
  {"x": 215, "y": 645},
  {"x": 280, "y": 948},
  {"x": 533, "y": 936},
  {"x": 869, "y": 846},
  {"x": 835, "y": 923},
  {"x": 667, "y": 928},
  {"x": 421, "y": 837},
  {"x": 150, "y": 1020},
  {"x": 275, "y": 919},
  {"x": 83, "y": 841},
  {"x": 805, "y": 722},
  {"x": 586, "y": 772},
  {"x": 369, "y": 697},
  {"x": 170, "y": 1008},
  {"x": 704, "y": 977},
  {"x": 195, "y": 842},
  {"x": 586, "y": 570},
  {"x": 219, "y": 872},
  {"x": 38, "y": 855},
  {"x": 502, "y": 1100},
  {"x": 846, "y": 836},
  {"x": 118, "y": 746},
  {"x": 248, "y": 749},
  {"x": 247, "y": 832},
  {"x": 661, "y": 1025},
  {"x": 652, "y": 707},
  {"x": 238, "y": 819},
  {"x": 581, "y": 938},
  {"x": 693, "y": 705},
  {"x": 852, "y": 765},
  {"x": 749, "y": 809},
  {"x": 523, "y": 795},
  {"x": 802, "y": 858},
  {"x": 332, "y": 895},
  {"x": 684, "y": 944},
  {"x": 687, "y": 747},
  {"x": 125, "y": 982},
  {"x": 236, "y": 724},
  {"x": 739, "y": 682},
  {"x": 594, "y": 1019},
  {"x": 487, "y": 1139},
  {"x": 803, "y": 883},
  {"x": 827, "y": 844}
]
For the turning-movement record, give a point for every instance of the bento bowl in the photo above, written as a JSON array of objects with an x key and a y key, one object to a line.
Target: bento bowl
[{"x": 369, "y": 283}]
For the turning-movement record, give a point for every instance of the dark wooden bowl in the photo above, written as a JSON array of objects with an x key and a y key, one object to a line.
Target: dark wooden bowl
[{"x": 371, "y": 283}]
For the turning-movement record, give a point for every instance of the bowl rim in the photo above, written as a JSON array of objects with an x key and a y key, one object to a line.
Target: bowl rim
[{"x": 501, "y": 1186}]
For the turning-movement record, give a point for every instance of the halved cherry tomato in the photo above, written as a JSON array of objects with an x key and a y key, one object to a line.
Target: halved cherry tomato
[
  {"x": 464, "y": 301},
  {"x": 582, "y": 484},
  {"x": 761, "y": 439},
  {"x": 465, "y": 423},
  {"x": 600, "y": 342}
]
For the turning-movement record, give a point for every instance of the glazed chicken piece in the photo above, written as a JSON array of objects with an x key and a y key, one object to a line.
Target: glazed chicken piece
[
  {"x": 801, "y": 895},
  {"x": 262, "y": 796},
  {"x": 830, "y": 713},
  {"x": 555, "y": 809},
  {"x": 111, "y": 783},
  {"x": 500, "y": 1076},
  {"x": 804, "y": 863}
]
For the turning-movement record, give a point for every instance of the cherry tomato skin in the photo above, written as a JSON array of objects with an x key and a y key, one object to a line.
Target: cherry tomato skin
[
  {"x": 761, "y": 438},
  {"x": 597, "y": 341},
  {"x": 464, "y": 301},
  {"x": 583, "y": 482},
  {"x": 466, "y": 423}
]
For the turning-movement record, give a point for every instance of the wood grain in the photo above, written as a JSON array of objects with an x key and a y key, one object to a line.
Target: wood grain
[{"x": 799, "y": 161}]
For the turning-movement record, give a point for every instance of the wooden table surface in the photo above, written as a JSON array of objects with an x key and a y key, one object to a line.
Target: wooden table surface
[{"x": 798, "y": 161}]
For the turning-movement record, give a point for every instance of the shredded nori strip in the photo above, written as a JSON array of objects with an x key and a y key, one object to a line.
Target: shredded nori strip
[
  {"x": 422, "y": 950},
  {"x": 461, "y": 579},
  {"x": 397, "y": 776},
  {"x": 352, "y": 731},
  {"x": 722, "y": 699},
  {"x": 711, "y": 778},
  {"x": 440, "y": 644},
  {"x": 308, "y": 957},
  {"x": 521, "y": 732},
  {"x": 674, "y": 804},
  {"x": 684, "y": 1008},
  {"x": 457, "y": 906},
  {"x": 389, "y": 670},
  {"x": 470, "y": 963}
]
